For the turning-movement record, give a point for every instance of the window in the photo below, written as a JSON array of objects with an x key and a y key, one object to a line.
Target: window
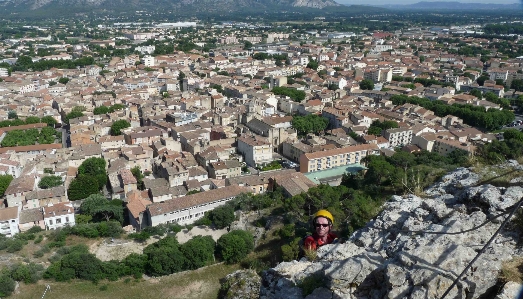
[
  {"x": 51, "y": 222},
  {"x": 66, "y": 219},
  {"x": 58, "y": 221}
]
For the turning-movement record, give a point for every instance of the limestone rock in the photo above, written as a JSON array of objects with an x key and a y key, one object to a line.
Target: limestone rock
[
  {"x": 511, "y": 290},
  {"x": 242, "y": 284},
  {"x": 415, "y": 248}
]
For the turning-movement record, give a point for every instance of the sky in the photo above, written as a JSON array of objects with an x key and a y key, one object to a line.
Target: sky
[{"x": 382, "y": 2}]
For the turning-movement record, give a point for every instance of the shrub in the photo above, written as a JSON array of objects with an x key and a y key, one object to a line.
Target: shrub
[
  {"x": 235, "y": 246},
  {"x": 15, "y": 245},
  {"x": 35, "y": 229}
]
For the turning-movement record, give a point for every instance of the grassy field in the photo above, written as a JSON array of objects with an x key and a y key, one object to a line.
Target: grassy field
[{"x": 200, "y": 284}]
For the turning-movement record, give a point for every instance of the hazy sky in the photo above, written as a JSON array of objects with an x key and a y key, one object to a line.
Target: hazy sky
[{"x": 381, "y": 2}]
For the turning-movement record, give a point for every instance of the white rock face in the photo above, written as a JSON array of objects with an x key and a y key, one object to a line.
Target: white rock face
[
  {"x": 398, "y": 256},
  {"x": 511, "y": 290}
]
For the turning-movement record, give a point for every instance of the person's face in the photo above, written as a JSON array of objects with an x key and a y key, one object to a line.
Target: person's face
[{"x": 322, "y": 226}]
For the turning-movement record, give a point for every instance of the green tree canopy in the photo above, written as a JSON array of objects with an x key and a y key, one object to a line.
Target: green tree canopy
[
  {"x": 5, "y": 180},
  {"x": 309, "y": 124},
  {"x": 296, "y": 95},
  {"x": 513, "y": 134},
  {"x": 101, "y": 110},
  {"x": 164, "y": 257},
  {"x": 97, "y": 206},
  {"x": 32, "y": 120},
  {"x": 12, "y": 114},
  {"x": 72, "y": 115},
  {"x": 137, "y": 173},
  {"x": 117, "y": 126},
  {"x": 94, "y": 167},
  {"x": 367, "y": 84},
  {"x": 234, "y": 246},
  {"x": 50, "y": 181},
  {"x": 222, "y": 216},
  {"x": 82, "y": 186},
  {"x": 198, "y": 252}
]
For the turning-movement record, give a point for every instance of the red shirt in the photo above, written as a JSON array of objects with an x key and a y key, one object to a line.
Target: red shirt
[{"x": 314, "y": 241}]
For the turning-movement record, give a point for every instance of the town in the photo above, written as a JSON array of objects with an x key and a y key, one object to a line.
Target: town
[{"x": 186, "y": 117}]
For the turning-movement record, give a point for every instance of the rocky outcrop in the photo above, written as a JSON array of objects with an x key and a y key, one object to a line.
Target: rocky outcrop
[
  {"x": 414, "y": 249},
  {"x": 242, "y": 284}
]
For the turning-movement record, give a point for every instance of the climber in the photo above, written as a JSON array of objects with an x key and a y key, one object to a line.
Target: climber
[{"x": 322, "y": 235}]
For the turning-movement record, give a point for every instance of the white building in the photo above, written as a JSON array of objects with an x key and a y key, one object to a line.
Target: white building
[
  {"x": 255, "y": 149},
  {"x": 58, "y": 215},
  {"x": 145, "y": 49},
  {"x": 148, "y": 60},
  {"x": 9, "y": 221},
  {"x": 398, "y": 136},
  {"x": 3, "y": 72},
  {"x": 187, "y": 209}
]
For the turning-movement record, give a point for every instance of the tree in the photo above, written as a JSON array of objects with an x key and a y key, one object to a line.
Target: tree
[
  {"x": 137, "y": 173},
  {"x": 235, "y": 246},
  {"x": 477, "y": 93},
  {"x": 309, "y": 124},
  {"x": 63, "y": 80},
  {"x": 49, "y": 120},
  {"x": 164, "y": 257},
  {"x": 374, "y": 130},
  {"x": 97, "y": 206},
  {"x": 134, "y": 264},
  {"x": 513, "y": 134},
  {"x": 50, "y": 181},
  {"x": 247, "y": 45},
  {"x": 73, "y": 114},
  {"x": 12, "y": 115},
  {"x": 313, "y": 64},
  {"x": 5, "y": 180},
  {"x": 367, "y": 84},
  {"x": 117, "y": 126},
  {"x": 32, "y": 120},
  {"x": 296, "y": 95},
  {"x": 379, "y": 170},
  {"x": 7, "y": 284},
  {"x": 222, "y": 216},
  {"x": 101, "y": 110},
  {"x": 82, "y": 186},
  {"x": 94, "y": 167},
  {"x": 481, "y": 80},
  {"x": 198, "y": 252},
  {"x": 517, "y": 84}
]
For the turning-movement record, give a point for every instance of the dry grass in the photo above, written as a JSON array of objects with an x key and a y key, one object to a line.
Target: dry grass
[
  {"x": 310, "y": 254},
  {"x": 512, "y": 270},
  {"x": 496, "y": 175},
  {"x": 200, "y": 284}
]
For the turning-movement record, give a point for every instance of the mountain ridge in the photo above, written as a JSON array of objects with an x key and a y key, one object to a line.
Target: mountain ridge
[
  {"x": 177, "y": 6},
  {"x": 454, "y": 5}
]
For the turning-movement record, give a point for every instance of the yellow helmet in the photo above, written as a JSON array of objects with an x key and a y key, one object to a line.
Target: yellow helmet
[{"x": 324, "y": 213}]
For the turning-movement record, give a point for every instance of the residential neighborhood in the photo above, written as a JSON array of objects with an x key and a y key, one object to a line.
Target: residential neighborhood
[{"x": 184, "y": 130}]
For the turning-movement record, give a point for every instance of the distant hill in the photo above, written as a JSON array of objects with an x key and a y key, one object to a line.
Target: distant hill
[
  {"x": 176, "y": 7},
  {"x": 441, "y": 5}
]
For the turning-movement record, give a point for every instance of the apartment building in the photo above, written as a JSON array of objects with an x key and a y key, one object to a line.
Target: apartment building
[
  {"x": 9, "y": 221},
  {"x": 187, "y": 209},
  {"x": 398, "y": 136},
  {"x": 255, "y": 149},
  {"x": 58, "y": 215},
  {"x": 336, "y": 157}
]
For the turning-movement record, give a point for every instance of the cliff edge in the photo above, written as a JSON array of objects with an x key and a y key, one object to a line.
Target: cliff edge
[{"x": 415, "y": 248}]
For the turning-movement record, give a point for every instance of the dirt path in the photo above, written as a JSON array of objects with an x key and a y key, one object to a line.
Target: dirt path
[{"x": 118, "y": 249}]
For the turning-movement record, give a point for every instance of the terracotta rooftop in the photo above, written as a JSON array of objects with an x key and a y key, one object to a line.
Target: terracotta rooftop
[{"x": 185, "y": 202}]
